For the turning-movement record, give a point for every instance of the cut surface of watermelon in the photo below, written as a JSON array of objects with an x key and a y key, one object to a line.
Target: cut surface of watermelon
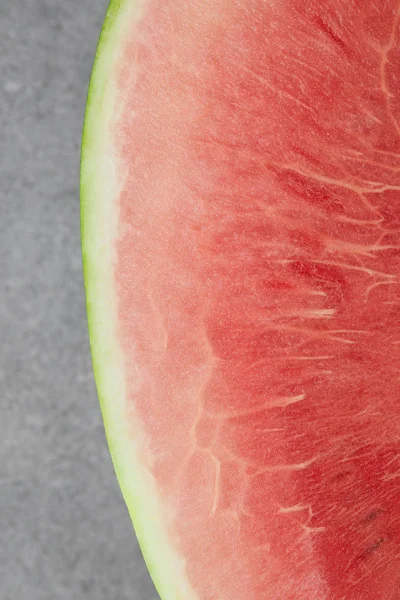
[{"x": 241, "y": 244}]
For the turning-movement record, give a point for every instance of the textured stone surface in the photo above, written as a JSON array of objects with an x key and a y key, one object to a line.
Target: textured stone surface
[{"x": 64, "y": 529}]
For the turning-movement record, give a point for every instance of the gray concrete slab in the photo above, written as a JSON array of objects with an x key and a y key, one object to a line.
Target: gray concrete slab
[{"x": 64, "y": 529}]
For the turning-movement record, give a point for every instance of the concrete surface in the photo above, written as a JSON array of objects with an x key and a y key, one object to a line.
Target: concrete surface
[{"x": 64, "y": 529}]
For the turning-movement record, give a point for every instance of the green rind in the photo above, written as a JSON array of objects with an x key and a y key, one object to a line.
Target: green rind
[{"x": 99, "y": 187}]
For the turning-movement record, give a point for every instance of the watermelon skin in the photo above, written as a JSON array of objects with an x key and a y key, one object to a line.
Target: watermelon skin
[
  {"x": 240, "y": 212},
  {"x": 98, "y": 227}
]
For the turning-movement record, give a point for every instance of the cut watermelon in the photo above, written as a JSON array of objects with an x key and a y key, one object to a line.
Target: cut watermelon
[{"x": 241, "y": 236}]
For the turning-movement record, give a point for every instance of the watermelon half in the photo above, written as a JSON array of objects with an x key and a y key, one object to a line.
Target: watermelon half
[{"x": 241, "y": 244}]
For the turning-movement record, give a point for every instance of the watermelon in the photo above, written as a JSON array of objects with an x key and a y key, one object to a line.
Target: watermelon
[{"x": 241, "y": 236}]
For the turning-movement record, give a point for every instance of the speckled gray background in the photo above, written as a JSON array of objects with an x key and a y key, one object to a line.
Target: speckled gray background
[{"x": 64, "y": 529}]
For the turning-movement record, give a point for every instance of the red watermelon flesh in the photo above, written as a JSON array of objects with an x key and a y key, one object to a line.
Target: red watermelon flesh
[{"x": 257, "y": 151}]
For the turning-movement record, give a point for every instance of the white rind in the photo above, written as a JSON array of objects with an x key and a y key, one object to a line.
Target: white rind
[{"x": 100, "y": 189}]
